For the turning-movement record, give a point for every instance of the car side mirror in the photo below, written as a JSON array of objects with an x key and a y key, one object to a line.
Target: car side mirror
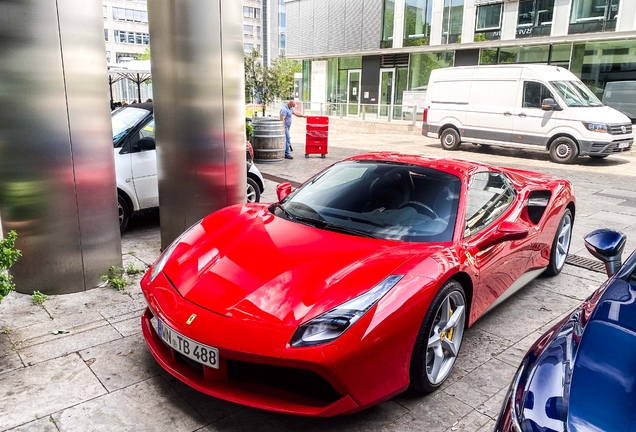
[
  {"x": 507, "y": 231},
  {"x": 283, "y": 190},
  {"x": 550, "y": 104},
  {"x": 146, "y": 143},
  {"x": 606, "y": 245}
]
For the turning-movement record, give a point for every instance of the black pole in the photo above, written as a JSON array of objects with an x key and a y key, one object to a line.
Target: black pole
[
  {"x": 110, "y": 86},
  {"x": 138, "y": 88}
]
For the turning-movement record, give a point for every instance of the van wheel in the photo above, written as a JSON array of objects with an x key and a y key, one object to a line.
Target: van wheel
[
  {"x": 564, "y": 150},
  {"x": 450, "y": 139}
]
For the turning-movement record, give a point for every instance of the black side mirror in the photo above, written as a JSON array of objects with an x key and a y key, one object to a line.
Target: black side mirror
[
  {"x": 146, "y": 143},
  {"x": 550, "y": 104},
  {"x": 607, "y": 245}
]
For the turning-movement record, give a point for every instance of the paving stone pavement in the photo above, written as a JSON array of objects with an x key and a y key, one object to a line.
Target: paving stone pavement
[{"x": 100, "y": 376}]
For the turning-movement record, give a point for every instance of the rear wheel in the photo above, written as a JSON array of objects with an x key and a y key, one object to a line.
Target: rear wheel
[
  {"x": 560, "y": 245},
  {"x": 564, "y": 150},
  {"x": 450, "y": 139},
  {"x": 253, "y": 192},
  {"x": 124, "y": 212},
  {"x": 440, "y": 338}
]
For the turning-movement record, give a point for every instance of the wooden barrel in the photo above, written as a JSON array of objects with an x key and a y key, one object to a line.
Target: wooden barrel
[{"x": 268, "y": 139}]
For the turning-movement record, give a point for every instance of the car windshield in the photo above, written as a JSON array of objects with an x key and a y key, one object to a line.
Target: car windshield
[
  {"x": 576, "y": 94},
  {"x": 382, "y": 200},
  {"x": 124, "y": 119}
]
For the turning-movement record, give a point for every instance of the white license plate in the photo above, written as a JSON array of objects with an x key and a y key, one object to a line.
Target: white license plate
[
  {"x": 624, "y": 144},
  {"x": 200, "y": 353}
]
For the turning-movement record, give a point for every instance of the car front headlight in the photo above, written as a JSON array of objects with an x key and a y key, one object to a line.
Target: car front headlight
[
  {"x": 332, "y": 324},
  {"x": 163, "y": 259},
  {"x": 596, "y": 127}
]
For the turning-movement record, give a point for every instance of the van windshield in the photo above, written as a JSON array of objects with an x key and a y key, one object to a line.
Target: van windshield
[{"x": 576, "y": 94}]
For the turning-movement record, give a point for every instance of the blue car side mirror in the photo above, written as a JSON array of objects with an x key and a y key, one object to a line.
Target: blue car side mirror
[{"x": 606, "y": 245}]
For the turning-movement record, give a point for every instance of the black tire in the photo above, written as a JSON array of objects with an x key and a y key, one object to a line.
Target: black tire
[
  {"x": 564, "y": 150},
  {"x": 598, "y": 156},
  {"x": 253, "y": 191},
  {"x": 419, "y": 376},
  {"x": 323, "y": 156},
  {"x": 124, "y": 212},
  {"x": 555, "y": 266},
  {"x": 450, "y": 139},
  {"x": 306, "y": 155}
]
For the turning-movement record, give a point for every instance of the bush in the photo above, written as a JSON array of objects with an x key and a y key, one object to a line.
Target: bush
[
  {"x": 8, "y": 256},
  {"x": 248, "y": 132}
]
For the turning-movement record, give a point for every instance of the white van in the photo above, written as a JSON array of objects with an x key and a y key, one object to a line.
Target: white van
[{"x": 523, "y": 106}]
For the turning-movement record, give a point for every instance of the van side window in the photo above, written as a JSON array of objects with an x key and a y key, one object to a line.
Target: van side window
[
  {"x": 534, "y": 93},
  {"x": 489, "y": 195}
]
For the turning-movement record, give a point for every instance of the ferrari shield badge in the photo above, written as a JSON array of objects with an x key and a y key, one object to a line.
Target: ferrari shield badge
[
  {"x": 192, "y": 317},
  {"x": 470, "y": 258}
]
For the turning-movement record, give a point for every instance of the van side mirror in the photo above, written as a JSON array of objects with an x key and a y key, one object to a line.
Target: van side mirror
[
  {"x": 606, "y": 245},
  {"x": 283, "y": 190},
  {"x": 550, "y": 104},
  {"x": 146, "y": 143}
]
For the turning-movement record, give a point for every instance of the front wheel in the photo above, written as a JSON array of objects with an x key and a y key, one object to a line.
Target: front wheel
[
  {"x": 253, "y": 191},
  {"x": 450, "y": 139},
  {"x": 560, "y": 245},
  {"x": 564, "y": 150},
  {"x": 439, "y": 339}
]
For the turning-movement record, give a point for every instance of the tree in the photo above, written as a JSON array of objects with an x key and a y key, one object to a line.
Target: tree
[
  {"x": 267, "y": 83},
  {"x": 145, "y": 55}
]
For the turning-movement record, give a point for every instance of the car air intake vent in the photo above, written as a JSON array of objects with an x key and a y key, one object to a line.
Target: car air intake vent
[
  {"x": 301, "y": 382},
  {"x": 537, "y": 203},
  {"x": 395, "y": 60},
  {"x": 621, "y": 129}
]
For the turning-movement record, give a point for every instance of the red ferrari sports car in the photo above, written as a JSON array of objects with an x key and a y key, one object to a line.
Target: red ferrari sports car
[{"x": 354, "y": 287}]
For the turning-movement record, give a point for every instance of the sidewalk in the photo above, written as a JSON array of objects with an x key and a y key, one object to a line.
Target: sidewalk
[{"x": 100, "y": 376}]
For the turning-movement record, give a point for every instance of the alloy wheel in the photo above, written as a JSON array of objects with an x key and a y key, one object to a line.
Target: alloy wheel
[
  {"x": 445, "y": 337},
  {"x": 251, "y": 193},
  {"x": 563, "y": 241}
]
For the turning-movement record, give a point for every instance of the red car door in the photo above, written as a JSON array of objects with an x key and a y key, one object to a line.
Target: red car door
[{"x": 497, "y": 243}]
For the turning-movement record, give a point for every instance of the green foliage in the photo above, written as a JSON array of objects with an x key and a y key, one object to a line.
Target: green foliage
[
  {"x": 249, "y": 131},
  {"x": 115, "y": 278},
  {"x": 268, "y": 83},
  {"x": 480, "y": 37},
  {"x": 416, "y": 42},
  {"x": 38, "y": 298},
  {"x": 8, "y": 257},
  {"x": 145, "y": 55},
  {"x": 132, "y": 270}
]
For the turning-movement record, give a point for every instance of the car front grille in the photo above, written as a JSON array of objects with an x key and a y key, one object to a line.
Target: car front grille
[
  {"x": 301, "y": 382},
  {"x": 617, "y": 129}
]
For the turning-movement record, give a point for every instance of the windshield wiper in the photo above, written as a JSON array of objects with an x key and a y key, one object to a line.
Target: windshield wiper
[{"x": 352, "y": 231}]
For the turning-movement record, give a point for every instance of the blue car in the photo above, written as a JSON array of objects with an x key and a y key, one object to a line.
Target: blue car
[{"x": 581, "y": 374}]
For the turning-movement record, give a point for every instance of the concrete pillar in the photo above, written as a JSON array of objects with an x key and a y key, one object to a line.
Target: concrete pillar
[
  {"x": 626, "y": 16},
  {"x": 57, "y": 175},
  {"x": 197, "y": 74},
  {"x": 561, "y": 17},
  {"x": 509, "y": 20},
  {"x": 437, "y": 22},
  {"x": 398, "y": 23},
  {"x": 468, "y": 23}
]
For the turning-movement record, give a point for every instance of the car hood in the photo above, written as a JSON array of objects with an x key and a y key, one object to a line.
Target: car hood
[
  {"x": 246, "y": 263},
  {"x": 602, "y": 114},
  {"x": 603, "y": 389}
]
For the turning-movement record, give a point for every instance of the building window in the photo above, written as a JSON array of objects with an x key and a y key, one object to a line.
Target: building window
[
  {"x": 488, "y": 24},
  {"x": 257, "y": 13},
  {"x": 535, "y": 18},
  {"x": 248, "y": 30},
  {"x": 593, "y": 16},
  {"x": 258, "y": 47},
  {"x": 258, "y": 32},
  {"x": 387, "y": 26},
  {"x": 417, "y": 22},
  {"x": 282, "y": 19},
  {"x": 422, "y": 64},
  {"x": 282, "y": 40},
  {"x": 105, "y": 11},
  {"x": 106, "y": 35},
  {"x": 247, "y": 47},
  {"x": 248, "y": 12},
  {"x": 130, "y": 15},
  {"x": 452, "y": 20},
  {"x": 108, "y": 57},
  {"x": 132, "y": 37}
]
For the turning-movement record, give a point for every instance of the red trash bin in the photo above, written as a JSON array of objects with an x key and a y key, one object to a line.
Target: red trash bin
[{"x": 317, "y": 136}]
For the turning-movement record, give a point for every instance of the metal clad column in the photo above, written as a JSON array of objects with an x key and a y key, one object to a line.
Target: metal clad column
[
  {"x": 57, "y": 176},
  {"x": 197, "y": 66}
]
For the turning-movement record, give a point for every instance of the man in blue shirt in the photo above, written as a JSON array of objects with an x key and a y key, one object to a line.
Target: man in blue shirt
[{"x": 286, "y": 115}]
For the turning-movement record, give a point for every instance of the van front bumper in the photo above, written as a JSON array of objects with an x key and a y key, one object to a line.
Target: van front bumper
[{"x": 605, "y": 148}]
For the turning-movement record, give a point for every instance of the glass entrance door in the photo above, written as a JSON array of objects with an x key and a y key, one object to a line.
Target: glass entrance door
[
  {"x": 387, "y": 91},
  {"x": 353, "y": 92}
]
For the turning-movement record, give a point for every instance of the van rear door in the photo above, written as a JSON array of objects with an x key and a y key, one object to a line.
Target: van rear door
[
  {"x": 531, "y": 124},
  {"x": 493, "y": 97}
]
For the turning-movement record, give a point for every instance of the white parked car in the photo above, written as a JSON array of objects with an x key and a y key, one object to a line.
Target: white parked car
[
  {"x": 538, "y": 107},
  {"x": 136, "y": 162}
]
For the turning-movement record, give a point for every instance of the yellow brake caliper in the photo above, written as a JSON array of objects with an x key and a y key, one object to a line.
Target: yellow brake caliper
[{"x": 450, "y": 331}]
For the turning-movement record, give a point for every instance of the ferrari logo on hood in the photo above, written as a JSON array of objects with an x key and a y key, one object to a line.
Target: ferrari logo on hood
[{"x": 192, "y": 317}]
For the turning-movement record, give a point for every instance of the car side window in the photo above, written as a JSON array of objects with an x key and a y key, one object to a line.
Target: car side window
[
  {"x": 148, "y": 130},
  {"x": 534, "y": 93},
  {"x": 489, "y": 195}
]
